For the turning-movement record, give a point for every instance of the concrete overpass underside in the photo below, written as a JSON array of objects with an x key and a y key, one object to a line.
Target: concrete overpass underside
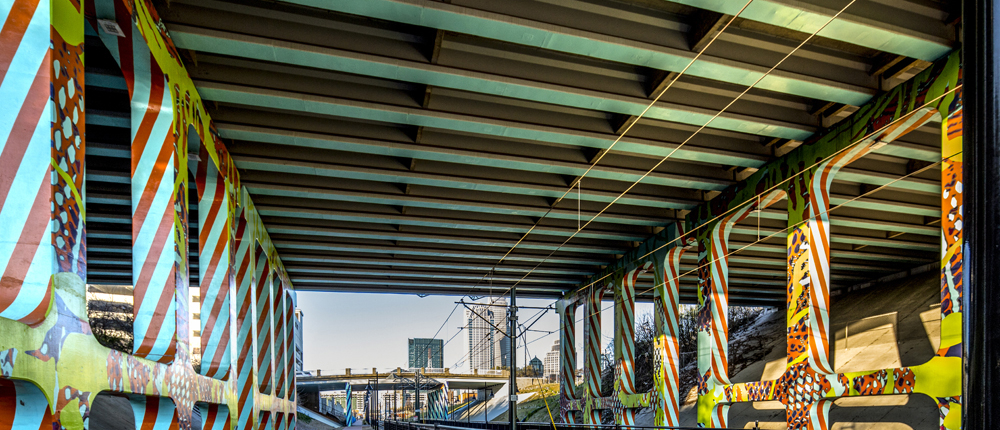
[{"x": 232, "y": 153}]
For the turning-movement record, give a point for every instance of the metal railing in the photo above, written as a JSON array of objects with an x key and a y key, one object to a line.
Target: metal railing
[{"x": 457, "y": 425}]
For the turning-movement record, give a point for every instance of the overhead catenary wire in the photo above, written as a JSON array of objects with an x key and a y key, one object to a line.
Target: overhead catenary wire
[
  {"x": 577, "y": 182},
  {"x": 785, "y": 230},
  {"x": 696, "y": 132},
  {"x": 798, "y": 224},
  {"x": 775, "y": 186},
  {"x": 779, "y": 184}
]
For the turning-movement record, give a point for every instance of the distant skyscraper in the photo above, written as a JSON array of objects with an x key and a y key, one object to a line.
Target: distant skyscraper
[
  {"x": 536, "y": 364},
  {"x": 488, "y": 347},
  {"x": 426, "y": 353},
  {"x": 298, "y": 340},
  {"x": 552, "y": 362}
]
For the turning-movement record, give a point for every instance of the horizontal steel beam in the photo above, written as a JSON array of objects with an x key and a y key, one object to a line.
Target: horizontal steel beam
[
  {"x": 320, "y": 58},
  {"x": 452, "y": 155},
  {"x": 526, "y": 32},
  {"x": 441, "y": 239},
  {"x": 293, "y": 260},
  {"x": 873, "y": 24},
  {"x": 332, "y": 106},
  {"x": 404, "y": 200},
  {"x": 286, "y": 244},
  {"x": 268, "y": 210},
  {"x": 400, "y": 176}
]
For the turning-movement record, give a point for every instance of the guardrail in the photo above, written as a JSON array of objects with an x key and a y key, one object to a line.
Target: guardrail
[
  {"x": 457, "y": 425},
  {"x": 364, "y": 372}
]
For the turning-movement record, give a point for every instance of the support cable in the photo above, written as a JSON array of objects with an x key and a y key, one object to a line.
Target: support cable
[
  {"x": 604, "y": 152},
  {"x": 927, "y": 104},
  {"x": 798, "y": 224},
  {"x": 688, "y": 139}
]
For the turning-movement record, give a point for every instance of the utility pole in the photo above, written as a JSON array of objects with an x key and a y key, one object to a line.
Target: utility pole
[
  {"x": 416, "y": 398},
  {"x": 512, "y": 337}
]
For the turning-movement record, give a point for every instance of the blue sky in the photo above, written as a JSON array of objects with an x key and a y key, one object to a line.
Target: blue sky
[{"x": 361, "y": 331}]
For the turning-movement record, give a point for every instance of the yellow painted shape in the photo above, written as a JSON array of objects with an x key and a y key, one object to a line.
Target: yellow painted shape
[
  {"x": 953, "y": 421},
  {"x": 951, "y": 330},
  {"x": 939, "y": 377},
  {"x": 68, "y": 21}
]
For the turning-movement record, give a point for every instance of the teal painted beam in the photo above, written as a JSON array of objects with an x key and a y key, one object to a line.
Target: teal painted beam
[
  {"x": 440, "y": 253},
  {"x": 366, "y": 217},
  {"x": 416, "y": 178},
  {"x": 259, "y": 48},
  {"x": 459, "y": 205},
  {"x": 108, "y": 119},
  {"x": 424, "y": 264},
  {"x": 692, "y": 259},
  {"x": 452, "y": 155},
  {"x": 417, "y": 284},
  {"x": 838, "y": 238},
  {"x": 884, "y": 206},
  {"x": 332, "y": 106},
  {"x": 914, "y": 184},
  {"x": 436, "y": 239},
  {"x": 333, "y": 271},
  {"x": 520, "y": 31},
  {"x": 934, "y": 83},
  {"x": 802, "y": 16}
]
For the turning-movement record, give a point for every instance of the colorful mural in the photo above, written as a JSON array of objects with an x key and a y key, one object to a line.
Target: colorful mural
[
  {"x": 52, "y": 366},
  {"x": 809, "y": 384}
]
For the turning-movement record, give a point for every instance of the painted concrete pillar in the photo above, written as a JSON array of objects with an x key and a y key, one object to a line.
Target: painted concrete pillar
[
  {"x": 567, "y": 358},
  {"x": 263, "y": 279},
  {"x": 713, "y": 313},
  {"x": 666, "y": 314},
  {"x": 154, "y": 180},
  {"x": 592, "y": 355},
  {"x": 43, "y": 310},
  {"x": 246, "y": 383},
  {"x": 154, "y": 413},
  {"x": 42, "y": 147},
  {"x": 949, "y": 353},
  {"x": 214, "y": 240},
  {"x": 627, "y": 399}
]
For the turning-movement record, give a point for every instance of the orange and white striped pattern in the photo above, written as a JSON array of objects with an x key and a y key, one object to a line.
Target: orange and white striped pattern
[
  {"x": 26, "y": 241},
  {"x": 592, "y": 351},
  {"x": 278, "y": 312},
  {"x": 625, "y": 339},
  {"x": 244, "y": 360},
  {"x": 289, "y": 351},
  {"x": 818, "y": 218},
  {"x": 153, "y": 176},
  {"x": 153, "y": 413},
  {"x": 718, "y": 299},
  {"x": 567, "y": 357},
  {"x": 213, "y": 267},
  {"x": 263, "y": 279},
  {"x": 666, "y": 316}
]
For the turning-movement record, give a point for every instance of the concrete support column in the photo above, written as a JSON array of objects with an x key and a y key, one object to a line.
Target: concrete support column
[
  {"x": 592, "y": 354},
  {"x": 953, "y": 266},
  {"x": 567, "y": 359},
  {"x": 666, "y": 308},
  {"x": 625, "y": 383},
  {"x": 713, "y": 313}
]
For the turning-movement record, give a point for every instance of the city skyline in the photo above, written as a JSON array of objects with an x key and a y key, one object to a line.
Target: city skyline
[
  {"x": 339, "y": 320},
  {"x": 426, "y": 353}
]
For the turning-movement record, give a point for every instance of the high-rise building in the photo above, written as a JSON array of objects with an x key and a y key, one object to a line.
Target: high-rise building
[
  {"x": 552, "y": 362},
  {"x": 426, "y": 353},
  {"x": 298, "y": 340},
  {"x": 488, "y": 347},
  {"x": 537, "y": 365}
]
